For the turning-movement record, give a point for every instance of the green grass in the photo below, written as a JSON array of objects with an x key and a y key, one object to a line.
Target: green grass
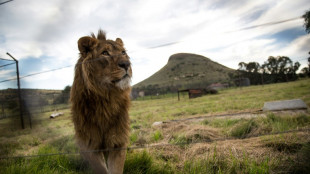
[
  {"x": 227, "y": 101},
  {"x": 57, "y": 136},
  {"x": 216, "y": 163},
  {"x": 180, "y": 140},
  {"x": 272, "y": 123},
  {"x": 220, "y": 123},
  {"x": 143, "y": 163},
  {"x": 45, "y": 164},
  {"x": 243, "y": 129},
  {"x": 133, "y": 137},
  {"x": 157, "y": 136}
]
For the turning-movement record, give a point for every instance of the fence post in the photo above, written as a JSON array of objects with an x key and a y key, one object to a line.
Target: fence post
[
  {"x": 2, "y": 105},
  {"x": 19, "y": 95}
]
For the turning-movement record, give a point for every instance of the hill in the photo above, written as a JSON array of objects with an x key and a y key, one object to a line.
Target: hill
[{"x": 185, "y": 70}]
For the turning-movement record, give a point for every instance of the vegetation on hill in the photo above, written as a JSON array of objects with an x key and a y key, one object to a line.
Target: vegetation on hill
[{"x": 185, "y": 70}]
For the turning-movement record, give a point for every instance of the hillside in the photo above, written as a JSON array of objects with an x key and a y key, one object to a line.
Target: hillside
[{"x": 185, "y": 70}]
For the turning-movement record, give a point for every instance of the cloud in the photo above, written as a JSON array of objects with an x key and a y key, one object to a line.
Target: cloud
[
  {"x": 6, "y": 72},
  {"x": 43, "y": 34}
]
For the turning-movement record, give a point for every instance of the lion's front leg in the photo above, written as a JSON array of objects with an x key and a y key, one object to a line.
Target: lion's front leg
[
  {"x": 95, "y": 159},
  {"x": 116, "y": 161}
]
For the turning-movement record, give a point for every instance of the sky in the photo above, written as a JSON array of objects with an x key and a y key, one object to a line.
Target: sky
[{"x": 43, "y": 35}]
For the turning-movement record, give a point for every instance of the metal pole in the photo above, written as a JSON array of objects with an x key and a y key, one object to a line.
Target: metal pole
[
  {"x": 2, "y": 103},
  {"x": 263, "y": 79},
  {"x": 19, "y": 92}
]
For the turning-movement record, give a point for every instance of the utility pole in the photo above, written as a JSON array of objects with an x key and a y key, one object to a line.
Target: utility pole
[{"x": 19, "y": 92}]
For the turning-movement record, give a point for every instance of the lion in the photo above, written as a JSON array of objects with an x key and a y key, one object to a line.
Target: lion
[{"x": 100, "y": 98}]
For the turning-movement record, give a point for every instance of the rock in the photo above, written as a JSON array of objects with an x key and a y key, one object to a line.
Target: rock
[
  {"x": 53, "y": 115},
  {"x": 157, "y": 123},
  {"x": 285, "y": 105}
]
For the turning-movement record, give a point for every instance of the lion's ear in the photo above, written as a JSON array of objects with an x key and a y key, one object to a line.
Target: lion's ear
[
  {"x": 119, "y": 41},
  {"x": 87, "y": 44}
]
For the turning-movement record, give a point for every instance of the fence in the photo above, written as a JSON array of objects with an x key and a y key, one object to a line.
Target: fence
[
  {"x": 35, "y": 102},
  {"x": 147, "y": 146}
]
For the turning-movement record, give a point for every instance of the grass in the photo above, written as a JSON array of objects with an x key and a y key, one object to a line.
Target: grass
[
  {"x": 217, "y": 163},
  {"x": 287, "y": 153},
  {"x": 230, "y": 100},
  {"x": 143, "y": 162},
  {"x": 180, "y": 140},
  {"x": 157, "y": 136},
  {"x": 46, "y": 164},
  {"x": 243, "y": 129},
  {"x": 272, "y": 123}
]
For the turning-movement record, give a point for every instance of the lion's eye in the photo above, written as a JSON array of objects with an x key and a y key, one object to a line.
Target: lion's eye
[
  {"x": 123, "y": 52},
  {"x": 105, "y": 53}
]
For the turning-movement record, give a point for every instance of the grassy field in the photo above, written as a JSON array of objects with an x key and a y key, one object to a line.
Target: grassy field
[{"x": 243, "y": 151}]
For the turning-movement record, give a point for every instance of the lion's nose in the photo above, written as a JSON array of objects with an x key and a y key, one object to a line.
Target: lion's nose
[{"x": 124, "y": 64}]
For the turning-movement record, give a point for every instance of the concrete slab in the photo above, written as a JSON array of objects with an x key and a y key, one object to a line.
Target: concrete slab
[{"x": 285, "y": 105}]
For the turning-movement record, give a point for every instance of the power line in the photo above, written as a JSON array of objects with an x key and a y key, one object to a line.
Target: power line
[
  {"x": 266, "y": 24},
  {"x": 1, "y": 3},
  {"x": 146, "y": 146},
  {"x": 7, "y": 80},
  {"x": 240, "y": 29},
  {"x": 7, "y": 65},
  {"x": 29, "y": 75},
  {"x": 51, "y": 70},
  {"x": 6, "y": 59}
]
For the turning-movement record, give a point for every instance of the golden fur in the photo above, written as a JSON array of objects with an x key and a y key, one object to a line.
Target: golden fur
[{"x": 100, "y": 100}]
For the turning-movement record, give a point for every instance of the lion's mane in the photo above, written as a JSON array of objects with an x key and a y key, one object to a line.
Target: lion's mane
[{"x": 99, "y": 110}]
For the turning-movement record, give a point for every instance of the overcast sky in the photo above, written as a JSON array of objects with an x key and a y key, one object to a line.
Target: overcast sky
[{"x": 43, "y": 35}]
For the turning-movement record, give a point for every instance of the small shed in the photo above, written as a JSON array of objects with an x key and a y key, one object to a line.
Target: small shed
[
  {"x": 242, "y": 82},
  {"x": 218, "y": 86},
  {"x": 141, "y": 93},
  {"x": 192, "y": 93}
]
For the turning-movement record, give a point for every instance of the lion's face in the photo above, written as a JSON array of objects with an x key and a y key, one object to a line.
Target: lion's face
[{"x": 104, "y": 62}]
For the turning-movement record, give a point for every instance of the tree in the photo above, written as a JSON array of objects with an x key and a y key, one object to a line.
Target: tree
[
  {"x": 252, "y": 67},
  {"x": 242, "y": 66},
  {"x": 296, "y": 66},
  {"x": 251, "y": 71},
  {"x": 271, "y": 65},
  {"x": 275, "y": 69},
  {"x": 309, "y": 65},
  {"x": 67, "y": 89},
  {"x": 64, "y": 96},
  {"x": 304, "y": 72},
  {"x": 306, "y": 17}
]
